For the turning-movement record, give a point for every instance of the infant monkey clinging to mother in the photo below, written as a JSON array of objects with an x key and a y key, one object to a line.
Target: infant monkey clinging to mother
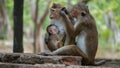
[
  {"x": 82, "y": 37},
  {"x": 55, "y": 40}
]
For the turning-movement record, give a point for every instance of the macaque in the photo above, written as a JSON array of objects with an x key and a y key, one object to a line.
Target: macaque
[
  {"x": 85, "y": 35},
  {"x": 54, "y": 39},
  {"x": 57, "y": 19}
]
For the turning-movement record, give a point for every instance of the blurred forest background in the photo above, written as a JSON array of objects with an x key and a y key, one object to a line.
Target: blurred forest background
[{"x": 36, "y": 18}]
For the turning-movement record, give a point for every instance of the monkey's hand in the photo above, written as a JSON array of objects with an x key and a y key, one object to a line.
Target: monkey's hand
[
  {"x": 63, "y": 11},
  {"x": 60, "y": 44}
]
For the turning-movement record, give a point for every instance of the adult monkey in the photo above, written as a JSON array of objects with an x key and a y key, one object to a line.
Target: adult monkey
[
  {"x": 85, "y": 34},
  {"x": 58, "y": 20}
]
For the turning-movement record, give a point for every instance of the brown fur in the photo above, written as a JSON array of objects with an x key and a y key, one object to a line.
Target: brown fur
[{"x": 54, "y": 42}]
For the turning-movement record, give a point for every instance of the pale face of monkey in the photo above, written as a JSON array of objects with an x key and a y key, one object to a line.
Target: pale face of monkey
[
  {"x": 53, "y": 30},
  {"x": 80, "y": 13},
  {"x": 55, "y": 11},
  {"x": 74, "y": 12}
]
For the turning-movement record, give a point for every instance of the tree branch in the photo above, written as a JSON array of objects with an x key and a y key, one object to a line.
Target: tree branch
[
  {"x": 34, "y": 10},
  {"x": 43, "y": 16}
]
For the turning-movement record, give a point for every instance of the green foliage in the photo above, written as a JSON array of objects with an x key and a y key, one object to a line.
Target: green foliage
[
  {"x": 98, "y": 8},
  {"x": 3, "y": 34},
  {"x": 104, "y": 35},
  {"x": 117, "y": 48},
  {"x": 28, "y": 23},
  {"x": 9, "y": 8}
]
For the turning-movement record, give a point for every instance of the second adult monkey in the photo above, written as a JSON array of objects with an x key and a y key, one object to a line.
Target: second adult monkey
[{"x": 55, "y": 40}]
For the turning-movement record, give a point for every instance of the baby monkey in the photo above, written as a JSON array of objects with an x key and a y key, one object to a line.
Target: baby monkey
[{"x": 55, "y": 39}]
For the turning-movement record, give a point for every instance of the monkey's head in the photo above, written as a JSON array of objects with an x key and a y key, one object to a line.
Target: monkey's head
[
  {"x": 55, "y": 11},
  {"x": 80, "y": 11},
  {"x": 52, "y": 29}
]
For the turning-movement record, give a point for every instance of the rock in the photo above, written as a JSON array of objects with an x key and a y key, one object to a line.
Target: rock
[
  {"x": 38, "y": 59},
  {"x": 14, "y": 65}
]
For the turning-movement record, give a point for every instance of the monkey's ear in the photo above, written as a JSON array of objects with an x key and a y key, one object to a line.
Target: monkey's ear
[{"x": 54, "y": 5}]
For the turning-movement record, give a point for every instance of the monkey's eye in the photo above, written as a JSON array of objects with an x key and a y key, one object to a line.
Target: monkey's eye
[
  {"x": 83, "y": 13},
  {"x": 50, "y": 30}
]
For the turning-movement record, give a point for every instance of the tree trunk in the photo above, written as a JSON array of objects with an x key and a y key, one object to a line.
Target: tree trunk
[
  {"x": 1, "y": 17},
  {"x": 18, "y": 26},
  {"x": 4, "y": 25},
  {"x": 111, "y": 24},
  {"x": 36, "y": 39},
  {"x": 38, "y": 21},
  {"x": 7, "y": 24}
]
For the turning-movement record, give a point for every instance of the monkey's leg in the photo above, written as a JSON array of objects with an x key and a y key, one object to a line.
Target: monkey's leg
[
  {"x": 66, "y": 50},
  {"x": 71, "y": 50}
]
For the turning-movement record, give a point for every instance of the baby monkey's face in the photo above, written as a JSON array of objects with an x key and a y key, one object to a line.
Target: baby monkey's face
[{"x": 53, "y": 30}]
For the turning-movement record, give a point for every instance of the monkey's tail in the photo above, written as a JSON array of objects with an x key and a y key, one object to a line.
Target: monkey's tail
[{"x": 101, "y": 62}]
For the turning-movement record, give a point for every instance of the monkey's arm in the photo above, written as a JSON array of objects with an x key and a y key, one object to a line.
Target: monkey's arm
[
  {"x": 46, "y": 38},
  {"x": 60, "y": 44},
  {"x": 64, "y": 38},
  {"x": 69, "y": 26},
  {"x": 78, "y": 28}
]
